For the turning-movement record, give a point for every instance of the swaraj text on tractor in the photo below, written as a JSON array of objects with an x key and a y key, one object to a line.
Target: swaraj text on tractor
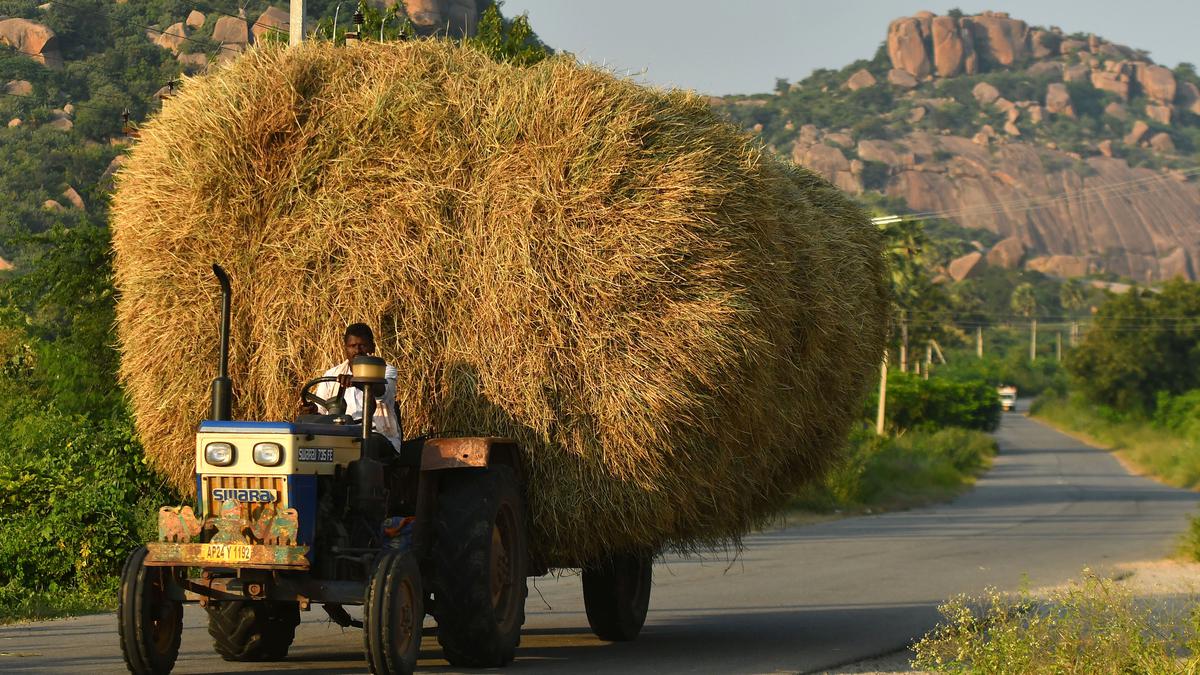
[{"x": 323, "y": 510}]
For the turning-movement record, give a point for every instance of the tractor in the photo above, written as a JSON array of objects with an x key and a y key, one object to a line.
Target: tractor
[{"x": 324, "y": 510}]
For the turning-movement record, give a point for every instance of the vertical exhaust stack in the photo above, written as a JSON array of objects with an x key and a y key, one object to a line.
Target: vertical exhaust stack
[{"x": 222, "y": 387}]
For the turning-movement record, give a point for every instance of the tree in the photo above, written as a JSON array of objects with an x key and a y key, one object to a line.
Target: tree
[
  {"x": 1140, "y": 343},
  {"x": 1024, "y": 302}
]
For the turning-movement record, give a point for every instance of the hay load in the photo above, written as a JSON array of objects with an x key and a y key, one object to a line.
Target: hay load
[{"x": 678, "y": 328}]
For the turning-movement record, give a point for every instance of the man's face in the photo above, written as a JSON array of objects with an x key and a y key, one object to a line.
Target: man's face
[{"x": 357, "y": 346}]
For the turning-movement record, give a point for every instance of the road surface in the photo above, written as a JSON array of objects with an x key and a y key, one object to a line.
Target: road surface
[{"x": 795, "y": 600}]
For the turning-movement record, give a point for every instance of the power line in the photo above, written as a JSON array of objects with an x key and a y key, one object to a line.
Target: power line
[{"x": 235, "y": 16}]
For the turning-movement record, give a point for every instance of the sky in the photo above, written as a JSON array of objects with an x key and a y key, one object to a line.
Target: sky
[{"x": 741, "y": 46}]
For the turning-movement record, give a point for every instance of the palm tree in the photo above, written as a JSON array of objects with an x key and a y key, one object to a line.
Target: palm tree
[{"x": 1024, "y": 303}]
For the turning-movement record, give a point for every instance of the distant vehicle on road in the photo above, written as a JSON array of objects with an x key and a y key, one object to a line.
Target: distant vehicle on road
[{"x": 1008, "y": 397}]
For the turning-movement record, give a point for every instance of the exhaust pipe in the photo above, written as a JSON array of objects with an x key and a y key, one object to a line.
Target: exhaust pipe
[{"x": 222, "y": 387}]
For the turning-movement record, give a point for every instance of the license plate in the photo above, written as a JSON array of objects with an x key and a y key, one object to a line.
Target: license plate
[
  {"x": 225, "y": 552},
  {"x": 315, "y": 454}
]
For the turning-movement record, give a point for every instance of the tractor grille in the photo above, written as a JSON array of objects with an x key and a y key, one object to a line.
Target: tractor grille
[{"x": 276, "y": 483}]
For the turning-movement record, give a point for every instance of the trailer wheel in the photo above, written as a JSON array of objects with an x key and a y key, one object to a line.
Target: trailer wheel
[
  {"x": 616, "y": 596},
  {"x": 480, "y": 559},
  {"x": 149, "y": 622},
  {"x": 253, "y": 630},
  {"x": 393, "y": 614}
]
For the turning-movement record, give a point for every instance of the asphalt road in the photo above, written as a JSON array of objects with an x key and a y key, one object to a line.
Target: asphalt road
[{"x": 795, "y": 600}]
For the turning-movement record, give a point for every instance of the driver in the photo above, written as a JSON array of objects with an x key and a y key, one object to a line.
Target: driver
[{"x": 358, "y": 340}]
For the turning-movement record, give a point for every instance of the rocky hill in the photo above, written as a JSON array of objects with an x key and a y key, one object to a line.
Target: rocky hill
[{"x": 1076, "y": 153}]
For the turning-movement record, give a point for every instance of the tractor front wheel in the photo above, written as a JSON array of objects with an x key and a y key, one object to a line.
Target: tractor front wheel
[
  {"x": 616, "y": 596},
  {"x": 480, "y": 559},
  {"x": 150, "y": 623},
  {"x": 249, "y": 630},
  {"x": 393, "y": 612}
]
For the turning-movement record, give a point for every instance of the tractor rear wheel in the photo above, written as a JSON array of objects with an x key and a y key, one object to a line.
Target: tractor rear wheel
[
  {"x": 480, "y": 559},
  {"x": 616, "y": 596},
  {"x": 149, "y": 622},
  {"x": 393, "y": 613},
  {"x": 253, "y": 630}
]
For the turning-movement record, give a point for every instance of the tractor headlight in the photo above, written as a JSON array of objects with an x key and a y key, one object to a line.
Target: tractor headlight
[
  {"x": 268, "y": 454},
  {"x": 219, "y": 454}
]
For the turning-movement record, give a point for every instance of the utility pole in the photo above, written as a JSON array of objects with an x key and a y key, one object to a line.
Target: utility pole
[
  {"x": 879, "y": 417},
  {"x": 928, "y": 358},
  {"x": 1074, "y": 332},
  {"x": 1033, "y": 340},
  {"x": 296, "y": 23},
  {"x": 979, "y": 341},
  {"x": 1058, "y": 346},
  {"x": 903, "y": 341}
]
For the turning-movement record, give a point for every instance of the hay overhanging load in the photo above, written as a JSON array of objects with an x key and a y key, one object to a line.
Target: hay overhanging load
[{"x": 678, "y": 328}]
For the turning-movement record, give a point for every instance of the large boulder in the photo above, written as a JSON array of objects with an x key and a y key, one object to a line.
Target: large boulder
[
  {"x": 1161, "y": 142},
  {"x": 1159, "y": 113},
  {"x": 951, "y": 45},
  {"x": 999, "y": 40},
  {"x": 1176, "y": 265},
  {"x": 1076, "y": 72},
  {"x": 172, "y": 38},
  {"x": 1157, "y": 83},
  {"x": 906, "y": 47},
  {"x": 1044, "y": 44},
  {"x": 860, "y": 80},
  {"x": 33, "y": 40},
  {"x": 1058, "y": 100},
  {"x": 901, "y": 78},
  {"x": 1052, "y": 69},
  {"x": 1007, "y": 254},
  {"x": 195, "y": 20},
  {"x": 1116, "y": 110},
  {"x": 18, "y": 88},
  {"x": 73, "y": 198},
  {"x": 967, "y": 266},
  {"x": 887, "y": 152},
  {"x": 231, "y": 31},
  {"x": 1111, "y": 82},
  {"x": 985, "y": 93},
  {"x": 1138, "y": 132},
  {"x": 1060, "y": 265},
  {"x": 1189, "y": 97},
  {"x": 273, "y": 19},
  {"x": 454, "y": 17}
]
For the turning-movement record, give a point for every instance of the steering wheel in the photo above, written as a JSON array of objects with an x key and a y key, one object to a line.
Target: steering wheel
[{"x": 335, "y": 406}]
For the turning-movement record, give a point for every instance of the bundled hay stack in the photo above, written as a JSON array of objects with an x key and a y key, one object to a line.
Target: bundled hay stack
[{"x": 678, "y": 328}]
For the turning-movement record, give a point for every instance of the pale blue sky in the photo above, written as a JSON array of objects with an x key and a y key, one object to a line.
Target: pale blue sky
[{"x": 732, "y": 46}]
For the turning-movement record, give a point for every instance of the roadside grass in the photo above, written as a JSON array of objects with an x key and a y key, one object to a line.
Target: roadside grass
[
  {"x": 1162, "y": 453},
  {"x": 18, "y": 605},
  {"x": 899, "y": 472},
  {"x": 1091, "y": 626}
]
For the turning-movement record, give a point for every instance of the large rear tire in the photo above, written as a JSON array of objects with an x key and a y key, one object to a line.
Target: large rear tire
[
  {"x": 149, "y": 622},
  {"x": 480, "y": 559},
  {"x": 253, "y": 630},
  {"x": 616, "y": 596},
  {"x": 393, "y": 612}
]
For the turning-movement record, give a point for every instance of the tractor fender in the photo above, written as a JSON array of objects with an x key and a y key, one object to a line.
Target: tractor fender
[{"x": 469, "y": 452}]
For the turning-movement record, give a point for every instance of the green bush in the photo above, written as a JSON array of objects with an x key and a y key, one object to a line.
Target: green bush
[
  {"x": 1094, "y": 626},
  {"x": 899, "y": 471},
  {"x": 1180, "y": 414},
  {"x": 75, "y": 496},
  {"x": 916, "y": 403}
]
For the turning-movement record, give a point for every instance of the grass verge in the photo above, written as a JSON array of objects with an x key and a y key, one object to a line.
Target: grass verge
[
  {"x": 898, "y": 472},
  {"x": 1168, "y": 456},
  {"x": 19, "y": 604},
  {"x": 1093, "y": 626}
]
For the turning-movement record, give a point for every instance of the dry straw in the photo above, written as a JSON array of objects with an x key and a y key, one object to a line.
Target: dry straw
[{"x": 678, "y": 328}]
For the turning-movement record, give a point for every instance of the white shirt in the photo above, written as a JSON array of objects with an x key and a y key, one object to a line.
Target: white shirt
[{"x": 384, "y": 421}]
